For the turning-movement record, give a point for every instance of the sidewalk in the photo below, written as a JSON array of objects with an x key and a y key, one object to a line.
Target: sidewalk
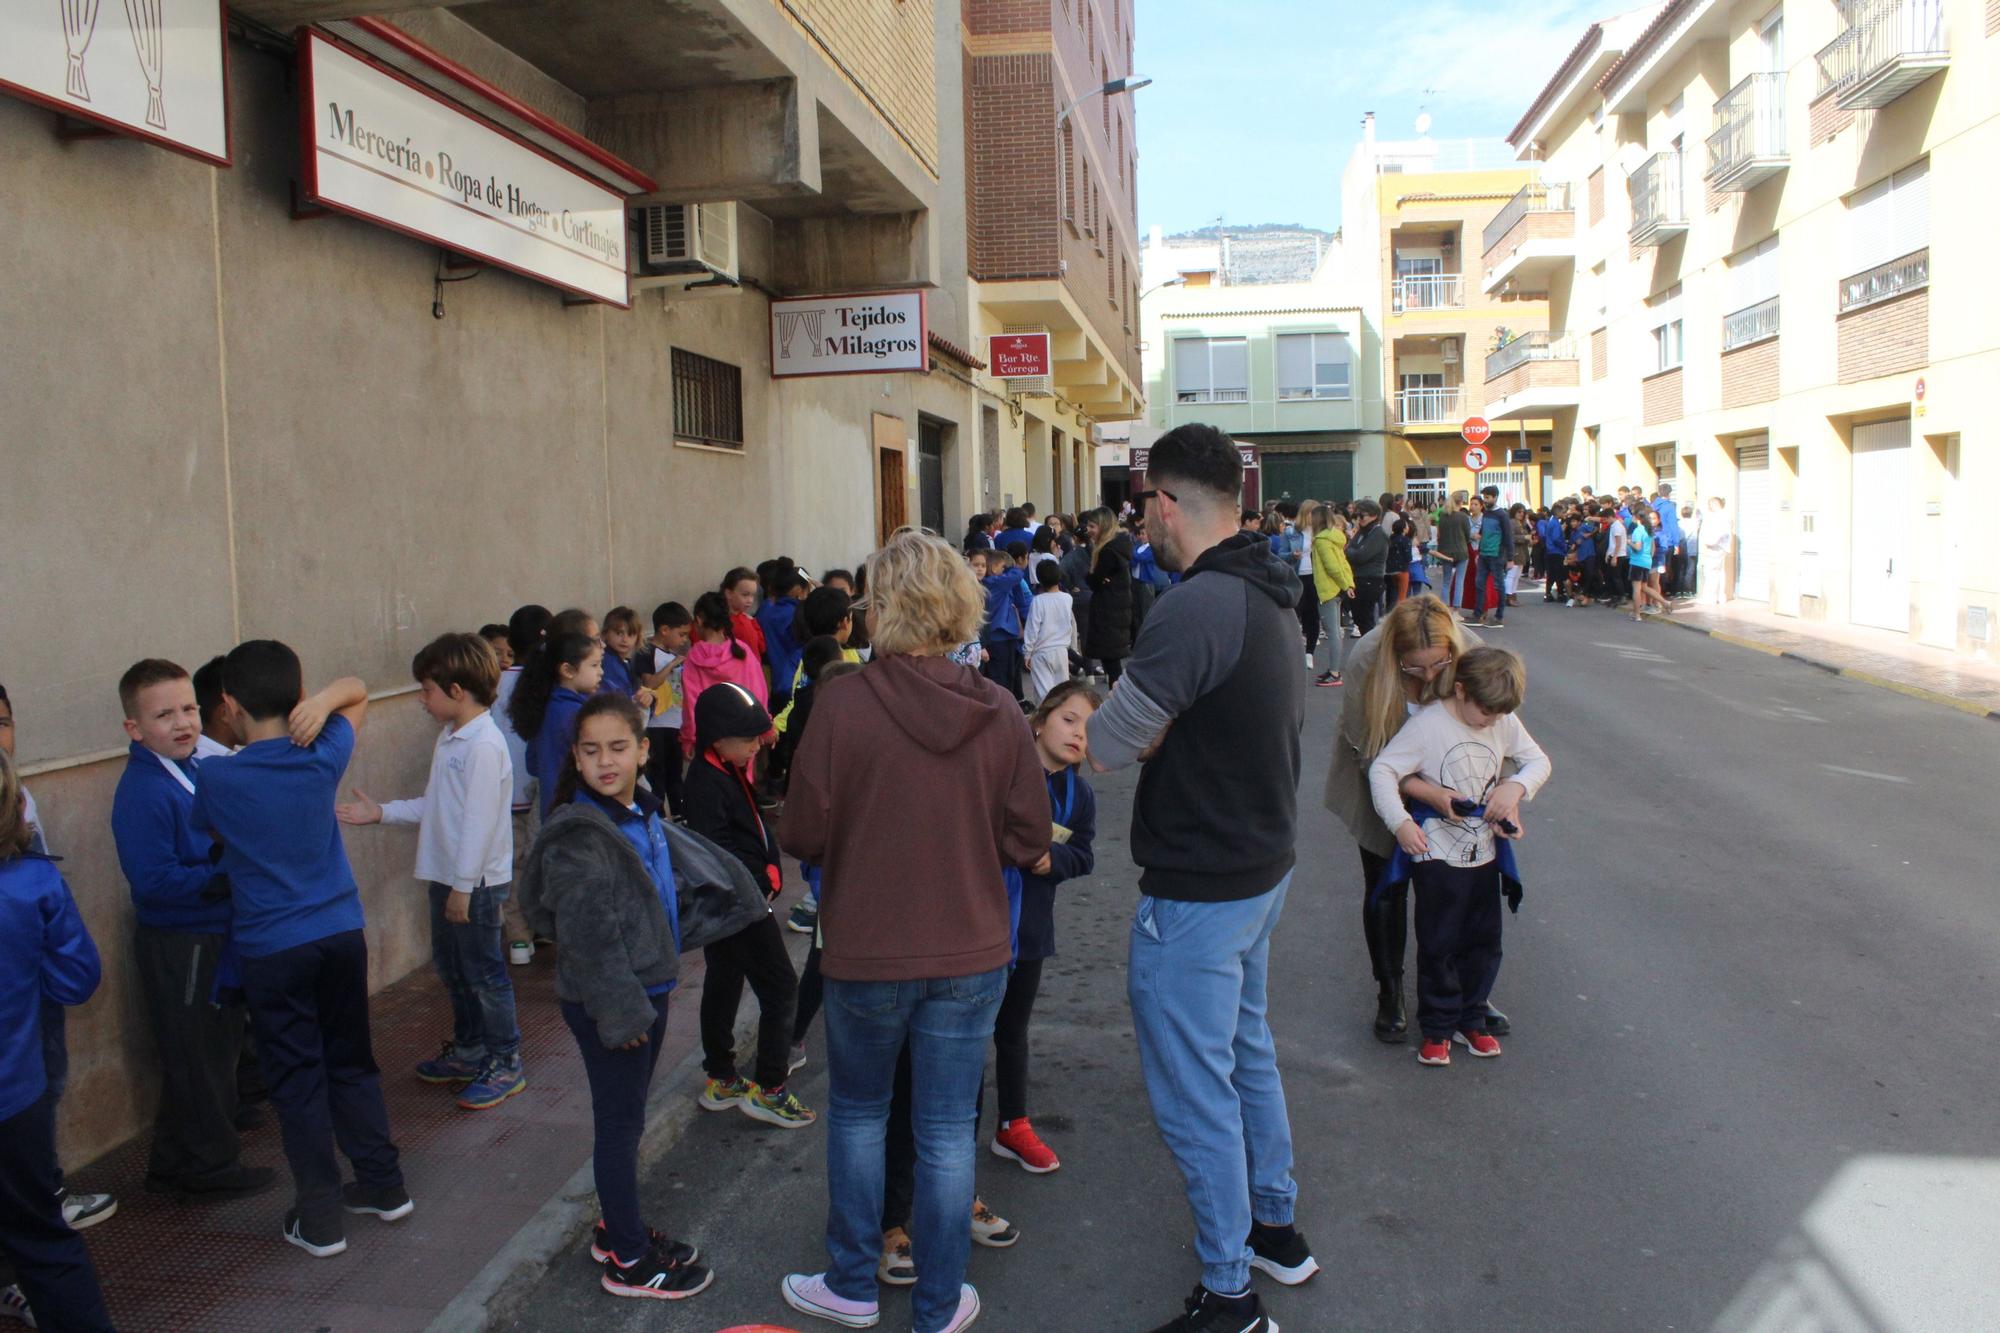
[
  {"x": 478, "y": 1179},
  {"x": 1875, "y": 657}
]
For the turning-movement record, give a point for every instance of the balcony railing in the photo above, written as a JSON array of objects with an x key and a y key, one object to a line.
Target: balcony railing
[
  {"x": 1751, "y": 324},
  {"x": 1658, "y": 211},
  {"x": 1428, "y": 291},
  {"x": 1889, "y": 47},
  {"x": 1419, "y": 406},
  {"x": 1530, "y": 347},
  {"x": 1885, "y": 282},
  {"x": 1749, "y": 140},
  {"x": 1537, "y": 198}
]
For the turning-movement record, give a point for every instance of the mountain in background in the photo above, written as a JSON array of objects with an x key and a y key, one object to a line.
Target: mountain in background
[{"x": 1258, "y": 254}]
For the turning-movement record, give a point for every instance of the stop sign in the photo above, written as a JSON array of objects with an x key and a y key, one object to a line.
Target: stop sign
[{"x": 1476, "y": 430}]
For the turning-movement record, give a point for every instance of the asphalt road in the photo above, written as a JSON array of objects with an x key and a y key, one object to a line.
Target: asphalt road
[{"x": 1749, "y": 1083}]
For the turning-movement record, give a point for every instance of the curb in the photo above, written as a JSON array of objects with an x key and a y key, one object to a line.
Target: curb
[
  {"x": 494, "y": 1295},
  {"x": 1918, "y": 692}
]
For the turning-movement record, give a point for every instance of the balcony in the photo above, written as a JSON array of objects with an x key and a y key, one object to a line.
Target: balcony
[
  {"x": 1752, "y": 324},
  {"x": 1532, "y": 376},
  {"x": 1530, "y": 240},
  {"x": 1889, "y": 47},
  {"x": 1658, "y": 212},
  {"x": 1430, "y": 407},
  {"x": 1748, "y": 146},
  {"x": 1427, "y": 291},
  {"x": 1886, "y": 282}
]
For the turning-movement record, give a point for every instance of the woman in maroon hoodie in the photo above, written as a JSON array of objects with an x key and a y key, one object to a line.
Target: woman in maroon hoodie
[{"x": 938, "y": 788}]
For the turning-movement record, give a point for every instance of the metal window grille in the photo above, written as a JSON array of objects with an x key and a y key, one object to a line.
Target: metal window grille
[{"x": 708, "y": 400}]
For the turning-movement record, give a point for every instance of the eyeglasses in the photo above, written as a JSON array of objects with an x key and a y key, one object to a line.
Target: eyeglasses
[
  {"x": 1425, "y": 672},
  {"x": 1139, "y": 498}
]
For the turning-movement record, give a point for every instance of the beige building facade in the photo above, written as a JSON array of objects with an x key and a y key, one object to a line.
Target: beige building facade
[
  {"x": 230, "y": 416},
  {"x": 1767, "y": 192}
]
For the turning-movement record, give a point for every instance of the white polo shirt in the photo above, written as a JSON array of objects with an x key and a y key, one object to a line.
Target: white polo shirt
[{"x": 465, "y": 829}]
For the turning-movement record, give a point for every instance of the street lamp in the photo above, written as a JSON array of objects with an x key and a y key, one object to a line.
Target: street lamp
[{"x": 1127, "y": 84}]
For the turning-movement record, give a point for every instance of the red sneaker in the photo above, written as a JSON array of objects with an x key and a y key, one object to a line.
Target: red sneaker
[
  {"x": 1480, "y": 1044},
  {"x": 1434, "y": 1052},
  {"x": 1017, "y": 1141}
]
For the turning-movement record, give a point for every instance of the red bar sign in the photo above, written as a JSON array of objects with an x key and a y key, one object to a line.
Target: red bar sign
[{"x": 1018, "y": 356}]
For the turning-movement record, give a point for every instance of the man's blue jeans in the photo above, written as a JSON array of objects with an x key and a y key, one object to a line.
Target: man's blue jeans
[
  {"x": 1197, "y": 983},
  {"x": 948, "y": 1023},
  {"x": 1493, "y": 570},
  {"x": 471, "y": 961}
]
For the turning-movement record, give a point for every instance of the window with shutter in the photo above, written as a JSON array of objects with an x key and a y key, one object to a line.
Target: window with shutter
[
  {"x": 1191, "y": 378},
  {"x": 1314, "y": 365},
  {"x": 1910, "y": 211},
  {"x": 1229, "y": 362}
]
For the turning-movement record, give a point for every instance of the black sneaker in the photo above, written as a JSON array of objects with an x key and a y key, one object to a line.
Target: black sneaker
[
  {"x": 1210, "y": 1313},
  {"x": 656, "y": 1278},
  {"x": 1282, "y": 1253},
  {"x": 1496, "y": 1022},
  {"x": 661, "y": 1244},
  {"x": 322, "y": 1240},
  {"x": 391, "y": 1203}
]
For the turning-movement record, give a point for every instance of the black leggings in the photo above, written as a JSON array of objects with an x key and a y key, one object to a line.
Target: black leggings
[
  {"x": 1367, "y": 603},
  {"x": 755, "y": 954},
  {"x": 812, "y": 990},
  {"x": 1010, "y": 1037},
  {"x": 1114, "y": 667},
  {"x": 1309, "y": 611}
]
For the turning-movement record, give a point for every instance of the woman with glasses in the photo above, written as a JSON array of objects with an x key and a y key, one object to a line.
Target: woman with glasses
[{"x": 1400, "y": 666}]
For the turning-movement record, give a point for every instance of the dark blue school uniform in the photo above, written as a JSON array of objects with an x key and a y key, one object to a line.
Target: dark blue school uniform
[{"x": 1073, "y": 805}]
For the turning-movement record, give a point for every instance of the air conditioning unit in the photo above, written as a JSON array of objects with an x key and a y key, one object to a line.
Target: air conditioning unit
[
  {"x": 1449, "y": 351},
  {"x": 691, "y": 238}
]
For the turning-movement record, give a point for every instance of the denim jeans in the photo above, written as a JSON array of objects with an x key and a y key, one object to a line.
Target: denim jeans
[
  {"x": 472, "y": 963},
  {"x": 948, "y": 1023},
  {"x": 618, "y": 1081},
  {"x": 1197, "y": 982},
  {"x": 1493, "y": 571},
  {"x": 1456, "y": 595}
]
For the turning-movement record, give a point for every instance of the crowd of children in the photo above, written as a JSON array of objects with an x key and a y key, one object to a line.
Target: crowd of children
[{"x": 592, "y": 787}]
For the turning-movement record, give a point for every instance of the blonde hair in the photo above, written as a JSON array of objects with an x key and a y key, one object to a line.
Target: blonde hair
[
  {"x": 1309, "y": 516},
  {"x": 15, "y": 835},
  {"x": 922, "y": 598},
  {"x": 1107, "y": 530},
  {"x": 1417, "y": 623},
  {"x": 1493, "y": 678}
]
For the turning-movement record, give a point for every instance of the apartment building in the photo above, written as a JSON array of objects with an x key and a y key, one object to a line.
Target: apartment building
[
  {"x": 1289, "y": 369},
  {"x": 1445, "y": 253},
  {"x": 1766, "y": 191},
  {"x": 245, "y": 408},
  {"x": 1052, "y": 226}
]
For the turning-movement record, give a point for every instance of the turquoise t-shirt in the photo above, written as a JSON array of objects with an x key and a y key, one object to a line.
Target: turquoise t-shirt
[{"x": 1642, "y": 546}]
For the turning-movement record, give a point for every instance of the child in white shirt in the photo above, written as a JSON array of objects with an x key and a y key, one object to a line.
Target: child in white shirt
[
  {"x": 1457, "y": 750},
  {"x": 1050, "y": 630},
  {"x": 465, "y": 854}
]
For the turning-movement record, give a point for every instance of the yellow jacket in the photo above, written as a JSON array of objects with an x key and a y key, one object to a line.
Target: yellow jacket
[{"x": 1332, "y": 575}]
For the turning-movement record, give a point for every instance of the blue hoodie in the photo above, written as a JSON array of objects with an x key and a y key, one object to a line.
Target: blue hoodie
[
  {"x": 169, "y": 866},
  {"x": 45, "y": 954},
  {"x": 1008, "y": 603},
  {"x": 1073, "y": 805},
  {"x": 1670, "y": 522},
  {"x": 551, "y": 745},
  {"x": 783, "y": 648}
]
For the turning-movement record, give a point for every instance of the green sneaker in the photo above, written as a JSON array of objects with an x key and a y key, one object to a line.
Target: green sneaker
[
  {"x": 778, "y": 1108},
  {"x": 720, "y": 1095}
]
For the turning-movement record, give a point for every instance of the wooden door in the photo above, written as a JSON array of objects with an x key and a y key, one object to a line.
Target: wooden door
[{"x": 891, "y": 486}]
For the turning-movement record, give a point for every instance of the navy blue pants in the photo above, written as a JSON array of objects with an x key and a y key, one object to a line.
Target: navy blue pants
[
  {"x": 1458, "y": 945},
  {"x": 618, "y": 1082},
  {"x": 50, "y": 1262},
  {"x": 1003, "y": 664},
  {"x": 309, "y": 1010}
]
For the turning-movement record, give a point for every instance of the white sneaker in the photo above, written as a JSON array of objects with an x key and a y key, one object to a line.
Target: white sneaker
[
  {"x": 14, "y": 1305},
  {"x": 968, "y": 1309},
  {"x": 82, "y": 1211},
  {"x": 521, "y": 952},
  {"x": 808, "y": 1294},
  {"x": 990, "y": 1229}
]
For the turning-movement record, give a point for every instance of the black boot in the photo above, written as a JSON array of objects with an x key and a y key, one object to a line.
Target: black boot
[
  {"x": 1385, "y": 921},
  {"x": 1392, "y": 1024}
]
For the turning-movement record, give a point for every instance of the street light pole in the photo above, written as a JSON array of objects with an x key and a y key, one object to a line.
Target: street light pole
[{"x": 1111, "y": 89}]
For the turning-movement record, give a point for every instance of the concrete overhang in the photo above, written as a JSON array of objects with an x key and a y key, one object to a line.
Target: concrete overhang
[
  {"x": 1671, "y": 35},
  {"x": 1087, "y": 372},
  {"x": 1530, "y": 267},
  {"x": 1532, "y": 403}
]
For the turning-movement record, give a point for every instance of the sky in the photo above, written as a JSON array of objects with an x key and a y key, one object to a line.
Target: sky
[{"x": 1257, "y": 103}]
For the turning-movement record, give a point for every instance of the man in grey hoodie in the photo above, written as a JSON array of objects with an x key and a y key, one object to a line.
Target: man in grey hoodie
[{"x": 1213, "y": 702}]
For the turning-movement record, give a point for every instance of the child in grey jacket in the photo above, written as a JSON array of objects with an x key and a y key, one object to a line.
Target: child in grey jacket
[{"x": 622, "y": 892}]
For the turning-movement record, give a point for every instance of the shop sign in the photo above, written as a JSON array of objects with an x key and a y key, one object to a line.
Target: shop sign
[
  {"x": 1018, "y": 356},
  {"x": 155, "y": 69},
  {"x": 1142, "y": 454},
  {"x": 874, "y": 333},
  {"x": 386, "y": 150}
]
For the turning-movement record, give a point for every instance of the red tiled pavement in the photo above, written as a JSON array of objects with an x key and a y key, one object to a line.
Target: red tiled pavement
[{"x": 476, "y": 1177}]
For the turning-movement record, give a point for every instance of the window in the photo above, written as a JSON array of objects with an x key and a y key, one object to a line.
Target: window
[
  {"x": 1069, "y": 172},
  {"x": 1314, "y": 365},
  {"x": 1089, "y": 223},
  {"x": 708, "y": 400},
  {"x": 1090, "y": 30},
  {"x": 1211, "y": 370},
  {"x": 1097, "y": 218},
  {"x": 1889, "y": 219},
  {"x": 1667, "y": 346},
  {"x": 1750, "y": 295},
  {"x": 1771, "y": 40}
]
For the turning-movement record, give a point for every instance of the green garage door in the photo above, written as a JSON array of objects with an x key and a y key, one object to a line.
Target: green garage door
[{"x": 1322, "y": 476}]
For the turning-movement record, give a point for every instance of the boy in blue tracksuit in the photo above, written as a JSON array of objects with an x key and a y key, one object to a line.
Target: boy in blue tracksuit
[
  {"x": 180, "y": 898},
  {"x": 297, "y": 925},
  {"x": 1008, "y": 603},
  {"x": 1555, "y": 545},
  {"x": 783, "y": 644},
  {"x": 46, "y": 955}
]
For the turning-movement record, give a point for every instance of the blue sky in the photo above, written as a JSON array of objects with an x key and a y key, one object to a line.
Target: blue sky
[{"x": 1258, "y": 103}]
